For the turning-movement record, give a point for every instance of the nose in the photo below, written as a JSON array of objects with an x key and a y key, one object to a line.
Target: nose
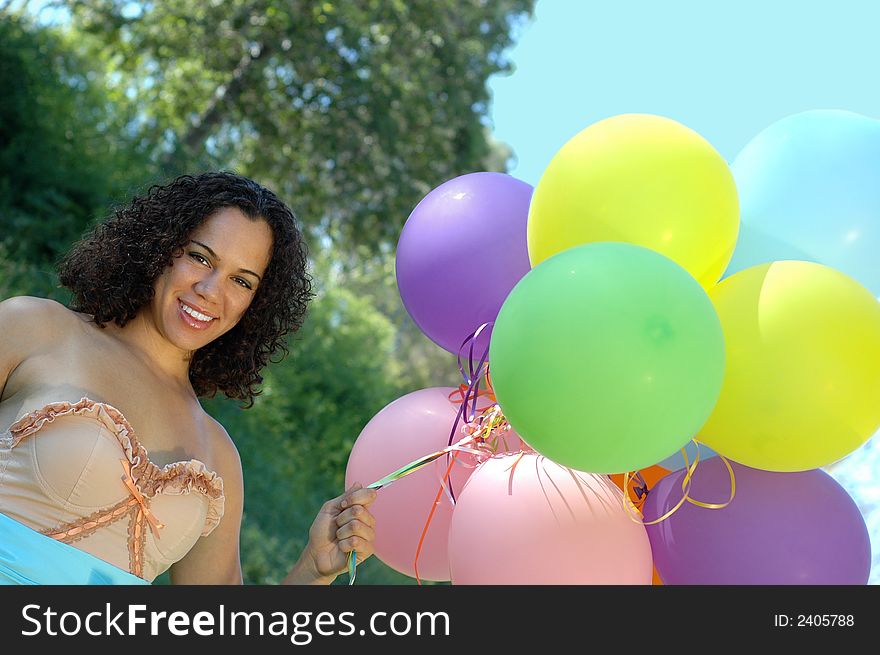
[{"x": 208, "y": 288}]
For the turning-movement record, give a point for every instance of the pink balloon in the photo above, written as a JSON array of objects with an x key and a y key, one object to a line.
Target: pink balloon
[
  {"x": 542, "y": 523},
  {"x": 411, "y": 427}
]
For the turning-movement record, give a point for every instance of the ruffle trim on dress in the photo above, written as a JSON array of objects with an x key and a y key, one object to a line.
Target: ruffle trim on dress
[{"x": 173, "y": 479}]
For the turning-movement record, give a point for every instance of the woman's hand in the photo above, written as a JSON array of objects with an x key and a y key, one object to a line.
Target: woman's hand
[{"x": 343, "y": 524}]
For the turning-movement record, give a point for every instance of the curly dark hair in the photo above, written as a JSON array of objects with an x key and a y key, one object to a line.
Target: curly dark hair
[{"x": 111, "y": 272}]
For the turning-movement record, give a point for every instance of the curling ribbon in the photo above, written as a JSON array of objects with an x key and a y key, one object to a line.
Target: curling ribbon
[
  {"x": 472, "y": 392},
  {"x": 635, "y": 511},
  {"x": 490, "y": 422},
  {"x": 412, "y": 467},
  {"x": 469, "y": 395},
  {"x": 490, "y": 419}
]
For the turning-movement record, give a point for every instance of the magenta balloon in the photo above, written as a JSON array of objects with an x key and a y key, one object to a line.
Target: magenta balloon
[
  {"x": 780, "y": 528},
  {"x": 461, "y": 251},
  {"x": 541, "y": 523},
  {"x": 411, "y": 427}
]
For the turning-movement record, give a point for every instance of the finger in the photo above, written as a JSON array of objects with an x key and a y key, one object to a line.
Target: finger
[
  {"x": 338, "y": 503},
  {"x": 362, "y": 496},
  {"x": 356, "y": 529},
  {"x": 358, "y": 512},
  {"x": 362, "y": 546}
]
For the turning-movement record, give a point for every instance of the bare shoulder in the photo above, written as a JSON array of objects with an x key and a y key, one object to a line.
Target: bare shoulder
[
  {"x": 28, "y": 324},
  {"x": 32, "y": 308},
  {"x": 35, "y": 316}
]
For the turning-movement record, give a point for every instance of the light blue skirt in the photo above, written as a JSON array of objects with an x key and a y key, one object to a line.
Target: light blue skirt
[{"x": 30, "y": 558}]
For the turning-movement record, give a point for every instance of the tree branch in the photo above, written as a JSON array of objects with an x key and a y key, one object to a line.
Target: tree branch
[{"x": 225, "y": 95}]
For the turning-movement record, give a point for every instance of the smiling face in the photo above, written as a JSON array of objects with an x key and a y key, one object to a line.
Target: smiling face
[{"x": 208, "y": 288}]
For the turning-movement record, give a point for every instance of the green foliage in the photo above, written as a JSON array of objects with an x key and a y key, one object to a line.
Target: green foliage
[
  {"x": 61, "y": 158},
  {"x": 353, "y": 111},
  {"x": 19, "y": 277}
]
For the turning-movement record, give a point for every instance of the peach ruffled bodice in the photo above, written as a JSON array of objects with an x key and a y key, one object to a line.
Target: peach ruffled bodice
[{"x": 77, "y": 473}]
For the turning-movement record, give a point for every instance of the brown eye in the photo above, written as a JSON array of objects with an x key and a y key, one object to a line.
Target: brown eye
[{"x": 198, "y": 258}]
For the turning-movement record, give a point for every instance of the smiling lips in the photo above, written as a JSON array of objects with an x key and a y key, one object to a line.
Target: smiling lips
[{"x": 193, "y": 317}]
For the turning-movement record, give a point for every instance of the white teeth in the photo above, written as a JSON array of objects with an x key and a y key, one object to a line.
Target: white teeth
[{"x": 197, "y": 315}]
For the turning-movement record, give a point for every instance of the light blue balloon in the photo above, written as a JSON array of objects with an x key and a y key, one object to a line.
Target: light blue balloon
[
  {"x": 809, "y": 189},
  {"x": 755, "y": 247},
  {"x": 676, "y": 461}
]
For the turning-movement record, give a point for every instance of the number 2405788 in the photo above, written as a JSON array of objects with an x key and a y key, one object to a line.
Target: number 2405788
[{"x": 814, "y": 620}]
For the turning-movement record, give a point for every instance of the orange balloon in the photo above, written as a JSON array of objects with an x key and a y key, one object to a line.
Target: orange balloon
[
  {"x": 652, "y": 475},
  {"x": 656, "y": 581}
]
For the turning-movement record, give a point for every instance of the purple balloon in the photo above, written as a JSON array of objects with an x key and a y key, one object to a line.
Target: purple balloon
[
  {"x": 462, "y": 249},
  {"x": 780, "y": 528}
]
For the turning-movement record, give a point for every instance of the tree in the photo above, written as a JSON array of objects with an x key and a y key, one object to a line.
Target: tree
[
  {"x": 61, "y": 157},
  {"x": 353, "y": 111}
]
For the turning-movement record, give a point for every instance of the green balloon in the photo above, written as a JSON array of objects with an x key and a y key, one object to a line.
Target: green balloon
[{"x": 607, "y": 357}]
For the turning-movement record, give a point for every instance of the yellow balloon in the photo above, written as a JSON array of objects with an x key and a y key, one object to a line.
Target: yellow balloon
[
  {"x": 802, "y": 379},
  {"x": 641, "y": 179}
]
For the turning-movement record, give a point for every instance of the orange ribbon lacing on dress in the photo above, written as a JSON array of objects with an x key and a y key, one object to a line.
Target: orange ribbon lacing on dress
[{"x": 155, "y": 524}]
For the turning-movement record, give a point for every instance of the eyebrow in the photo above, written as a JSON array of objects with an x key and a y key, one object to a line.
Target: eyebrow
[{"x": 214, "y": 255}]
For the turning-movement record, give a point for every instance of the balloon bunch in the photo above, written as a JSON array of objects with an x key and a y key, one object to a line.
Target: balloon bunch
[{"x": 612, "y": 345}]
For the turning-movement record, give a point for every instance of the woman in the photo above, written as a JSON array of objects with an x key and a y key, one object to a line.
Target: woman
[{"x": 110, "y": 470}]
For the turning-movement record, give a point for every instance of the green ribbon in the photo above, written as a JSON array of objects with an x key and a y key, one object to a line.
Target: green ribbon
[{"x": 403, "y": 471}]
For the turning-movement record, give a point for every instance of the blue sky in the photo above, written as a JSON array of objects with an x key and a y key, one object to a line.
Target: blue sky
[{"x": 724, "y": 69}]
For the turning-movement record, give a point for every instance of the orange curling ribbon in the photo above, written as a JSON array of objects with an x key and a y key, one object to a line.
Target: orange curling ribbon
[
  {"x": 431, "y": 517},
  {"x": 489, "y": 429},
  {"x": 513, "y": 466},
  {"x": 155, "y": 525},
  {"x": 463, "y": 445},
  {"x": 457, "y": 396},
  {"x": 460, "y": 395},
  {"x": 484, "y": 433},
  {"x": 635, "y": 511}
]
